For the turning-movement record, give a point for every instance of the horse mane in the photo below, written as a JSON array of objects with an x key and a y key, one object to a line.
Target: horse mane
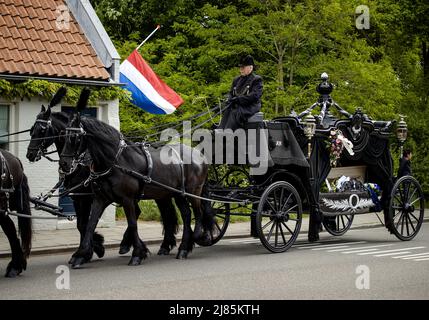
[
  {"x": 61, "y": 116},
  {"x": 103, "y": 138}
]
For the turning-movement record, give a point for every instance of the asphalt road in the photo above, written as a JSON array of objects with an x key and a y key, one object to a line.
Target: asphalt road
[{"x": 363, "y": 264}]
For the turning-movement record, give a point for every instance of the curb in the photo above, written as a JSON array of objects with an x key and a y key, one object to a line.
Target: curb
[{"x": 67, "y": 249}]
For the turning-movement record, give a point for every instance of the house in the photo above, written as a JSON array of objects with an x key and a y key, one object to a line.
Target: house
[{"x": 59, "y": 41}]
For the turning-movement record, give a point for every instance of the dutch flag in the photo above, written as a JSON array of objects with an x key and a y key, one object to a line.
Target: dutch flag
[{"x": 149, "y": 92}]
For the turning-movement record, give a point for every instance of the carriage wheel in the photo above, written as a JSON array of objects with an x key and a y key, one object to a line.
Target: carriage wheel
[
  {"x": 338, "y": 225},
  {"x": 279, "y": 216},
  {"x": 406, "y": 208},
  {"x": 220, "y": 213}
]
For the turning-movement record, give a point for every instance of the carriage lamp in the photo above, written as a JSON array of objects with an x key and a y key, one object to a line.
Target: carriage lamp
[
  {"x": 401, "y": 132},
  {"x": 309, "y": 130}
]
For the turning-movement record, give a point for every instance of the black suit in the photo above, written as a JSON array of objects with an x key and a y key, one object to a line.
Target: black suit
[{"x": 244, "y": 101}]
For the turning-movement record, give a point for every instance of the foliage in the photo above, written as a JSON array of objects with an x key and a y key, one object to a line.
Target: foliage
[
  {"x": 46, "y": 89},
  {"x": 383, "y": 70}
]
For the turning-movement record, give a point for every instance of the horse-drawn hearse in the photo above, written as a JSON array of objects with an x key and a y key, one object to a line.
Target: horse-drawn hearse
[
  {"x": 350, "y": 153},
  {"x": 305, "y": 154}
]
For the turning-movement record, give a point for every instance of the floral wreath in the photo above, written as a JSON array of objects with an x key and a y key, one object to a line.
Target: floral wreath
[{"x": 336, "y": 144}]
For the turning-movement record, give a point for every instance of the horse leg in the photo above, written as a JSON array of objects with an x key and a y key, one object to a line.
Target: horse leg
[
  {"x": 85, "y": 251},
  {"x": 83, "y": 210},
  {"x": 18, "y": 263},
  {"x": 127, "y": 240},
  {"x": 140, "y": 250},
  {"x": 187, "y": 243},
  {"x": 196, "y": 207},
  {"x": 169, "y": 219}
]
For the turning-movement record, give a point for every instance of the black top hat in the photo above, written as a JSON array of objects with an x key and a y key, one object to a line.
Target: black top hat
[{"x": 246, "y": 61}]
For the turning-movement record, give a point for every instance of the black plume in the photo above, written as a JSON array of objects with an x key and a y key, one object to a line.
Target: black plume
[
  {"x": 58, "y": 97},
  {"x": 83, "y": 99}
]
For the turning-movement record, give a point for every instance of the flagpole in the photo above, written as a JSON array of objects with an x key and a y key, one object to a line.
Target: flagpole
[{"x": 144, "y": 41}]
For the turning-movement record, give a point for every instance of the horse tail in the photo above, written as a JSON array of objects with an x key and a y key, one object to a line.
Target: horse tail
[{"x": 25, "y": 224}]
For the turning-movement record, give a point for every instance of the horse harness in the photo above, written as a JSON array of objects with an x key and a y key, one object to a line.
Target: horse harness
[
  {"x": 94, "y": 176},
  {"x": 5, "y": 175},
  {"x": 41, "y": 149}
]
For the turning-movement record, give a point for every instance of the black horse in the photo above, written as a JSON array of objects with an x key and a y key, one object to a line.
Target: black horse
[
  {"x": 15, "y": 196},
  {"x": 49, "y": 129},
  {"x": 117, "y": 171}
]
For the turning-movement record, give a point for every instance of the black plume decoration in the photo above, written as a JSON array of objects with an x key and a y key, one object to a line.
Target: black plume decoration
[
  {"x": 61, "y": 93},
  {"x": 83, "y": 99}
]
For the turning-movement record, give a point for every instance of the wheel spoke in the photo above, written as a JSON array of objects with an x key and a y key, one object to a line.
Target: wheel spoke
[
  {"x": 284, "y": 205},
  {"x": 276, "y": 204},
  {"x": 291, "y": 208},
  {"x": 414, "y": 217},
  {"x": 406, "y": 224},
  {"x": 412, "y": 195},
  {"x": 277, "y": 235},
  {"x": 282, "y": 233},
  {"x": 267, "y": 224},
  {"x": 399, "y": 200},
  {"x": 217, "y": 226},
  {"x": 419, "y": 198},
  {"x": 399, "y": 221},
  {"x": 274, "y": 210},
  {"x": 281, "y": 199},
  {"x": 342, "y": 220},
  {"x": 271, "y": 232},
  {"x": 411, "y": 223},
  {"x": 407, "y": 191},
  {"x": 291, "y": 232}
]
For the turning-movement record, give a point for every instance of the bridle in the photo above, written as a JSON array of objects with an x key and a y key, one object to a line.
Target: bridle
[
  {"x": 48, "y": 129},
  {"x": 78, "y": 155}
]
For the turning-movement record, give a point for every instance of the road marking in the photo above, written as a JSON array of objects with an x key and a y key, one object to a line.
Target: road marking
[
  {"x": 386, "y": 251},
  {"x": 390, "y": 254},
  {"x": 308, "y": 244},
  {"x": 425, "y": 259},
  {"x": 329, "y": 245},
  {"x": 367, "y": 247},
  {"x": 246, "y": 241},
  {"x": 337, "y": 247},
  {"x": 412, "y": 256},
  {"x": 357, "y": 251}
]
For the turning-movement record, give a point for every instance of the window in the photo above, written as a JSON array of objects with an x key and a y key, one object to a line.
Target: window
[
  {"x": 88, "y": 112},
  {"x": 4, "y": 126},
  {"x": 66, "y": 202}
]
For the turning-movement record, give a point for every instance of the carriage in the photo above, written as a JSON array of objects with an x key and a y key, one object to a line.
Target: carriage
[
  {"x": 301, "y": 154},
  {"x": 303, "y": 157}
]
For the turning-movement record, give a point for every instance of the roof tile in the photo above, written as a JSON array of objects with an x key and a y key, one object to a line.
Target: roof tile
[{"x": 31, "y": 43}]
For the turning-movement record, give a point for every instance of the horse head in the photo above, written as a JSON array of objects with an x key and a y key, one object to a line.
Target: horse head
[
  {"x": 42, "y": 132},
  {"x": 75, "y": 143}
]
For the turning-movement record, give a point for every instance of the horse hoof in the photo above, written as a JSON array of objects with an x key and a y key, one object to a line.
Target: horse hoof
[
  {"x": 135, "y": 261},
  {"x": 164, "y": 252},
  {"x": 78, "y": 262},
  {"x": 99, "y": 251},
  {"x": 124, "y": 249},
  {"x": 12, "y": 273},
  {"x": 182, "y": 254}
]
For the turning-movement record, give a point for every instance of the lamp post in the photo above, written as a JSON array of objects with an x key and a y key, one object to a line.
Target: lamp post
[
  {"x": 401, "y": 133},
  {"x": 309, "y": 130}
]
